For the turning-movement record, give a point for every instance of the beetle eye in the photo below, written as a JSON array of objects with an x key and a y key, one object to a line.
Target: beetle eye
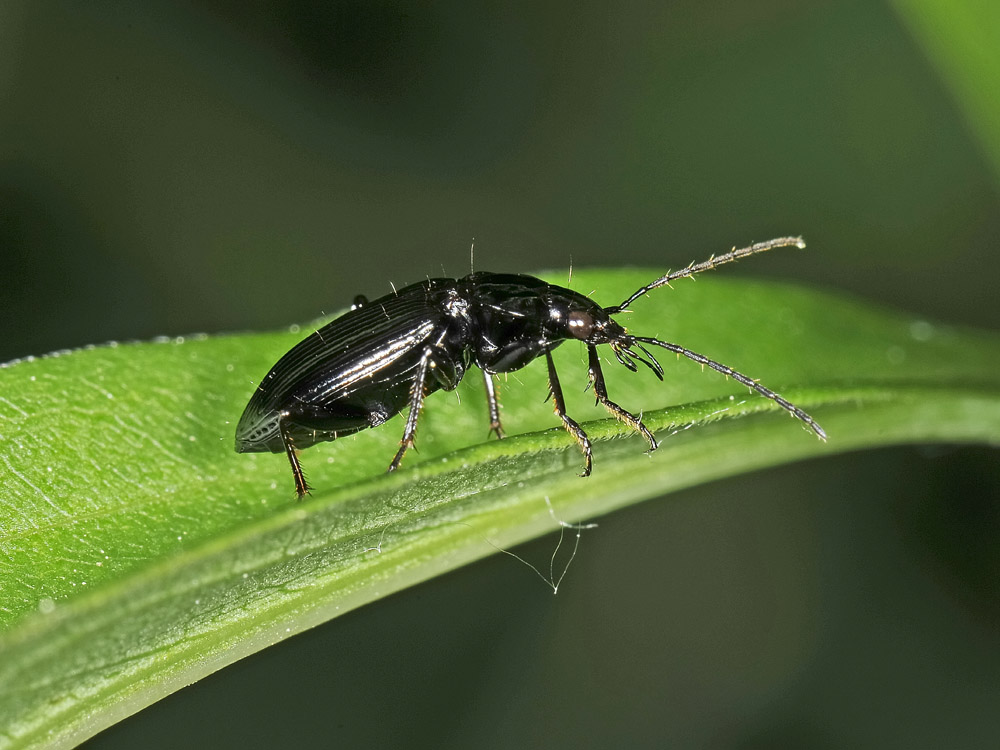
[{"x": 581, "y": 324}]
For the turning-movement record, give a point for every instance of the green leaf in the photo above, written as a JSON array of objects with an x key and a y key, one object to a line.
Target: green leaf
[
  {"x": 961, "y": 39},
  {"x": 139, "y": 553}
]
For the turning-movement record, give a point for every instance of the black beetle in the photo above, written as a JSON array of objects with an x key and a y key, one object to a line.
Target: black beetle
[{"x": 362, "y": 368}]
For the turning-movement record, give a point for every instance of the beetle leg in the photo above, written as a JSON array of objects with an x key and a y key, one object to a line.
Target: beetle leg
[
  {"x": 417, "y": 393},
  {"x": 494, "y": 405},
  {"x": 601, "y": 391},
  {"x": 555, "y": 390},
  {"x": 301, "y": 486}
]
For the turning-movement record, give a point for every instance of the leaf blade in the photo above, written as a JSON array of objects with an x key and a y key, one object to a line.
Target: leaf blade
[{"x": 215, "y": 574}]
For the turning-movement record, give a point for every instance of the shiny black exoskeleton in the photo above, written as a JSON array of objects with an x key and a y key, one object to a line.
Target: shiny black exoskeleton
[{"x": 362, "y": 368}]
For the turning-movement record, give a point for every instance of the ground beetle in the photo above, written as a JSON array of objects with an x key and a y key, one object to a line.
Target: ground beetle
[{"x": 362, "y": 368}]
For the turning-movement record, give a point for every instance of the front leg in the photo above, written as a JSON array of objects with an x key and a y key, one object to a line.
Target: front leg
[
  {"x": 601, "y": 391},
  {"x": 555, "y": 390}
]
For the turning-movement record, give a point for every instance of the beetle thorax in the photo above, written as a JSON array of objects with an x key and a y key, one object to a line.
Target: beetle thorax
[{"x": 457, "y": 308}]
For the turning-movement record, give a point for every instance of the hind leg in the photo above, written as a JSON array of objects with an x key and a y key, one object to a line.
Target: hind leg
[
  {"x": 301, "y": 486},
  {"x": 306, "y": 426}
]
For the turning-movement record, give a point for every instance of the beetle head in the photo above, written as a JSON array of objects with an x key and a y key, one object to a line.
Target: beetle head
[
  {"x": 583, "y": 322},
  {"x": 594, "y": 326}
]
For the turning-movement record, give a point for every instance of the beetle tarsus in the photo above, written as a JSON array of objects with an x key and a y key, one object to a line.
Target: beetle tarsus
[{"x": 398, "y": 458}]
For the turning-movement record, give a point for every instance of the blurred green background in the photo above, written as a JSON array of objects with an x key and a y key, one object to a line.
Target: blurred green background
[{"x": 215, "y": 166}]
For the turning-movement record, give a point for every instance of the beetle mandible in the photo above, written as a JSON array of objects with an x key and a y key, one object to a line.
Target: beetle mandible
[{"x": 362, "y": 368}]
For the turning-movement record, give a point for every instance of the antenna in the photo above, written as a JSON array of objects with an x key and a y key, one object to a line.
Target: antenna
[
  {"x": 708, "y": 265},
  {"x": 725, "y": 370}
]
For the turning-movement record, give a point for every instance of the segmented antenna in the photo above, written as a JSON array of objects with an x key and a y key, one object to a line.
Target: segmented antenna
[
  {"x": 740, "y": 378},
  {"x": 708, "y": 265}
]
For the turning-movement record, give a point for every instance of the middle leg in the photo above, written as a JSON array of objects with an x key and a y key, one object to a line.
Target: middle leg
[
  {"x": 418, "y": 390},
  {"x": 494, "y": 405}
]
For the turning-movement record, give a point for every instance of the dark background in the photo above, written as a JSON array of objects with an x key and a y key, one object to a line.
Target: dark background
[{"x": 222, "y": 166}]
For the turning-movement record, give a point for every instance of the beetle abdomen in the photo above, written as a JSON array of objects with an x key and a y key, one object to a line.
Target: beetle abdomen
[{"x": 351, "y": 374}]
